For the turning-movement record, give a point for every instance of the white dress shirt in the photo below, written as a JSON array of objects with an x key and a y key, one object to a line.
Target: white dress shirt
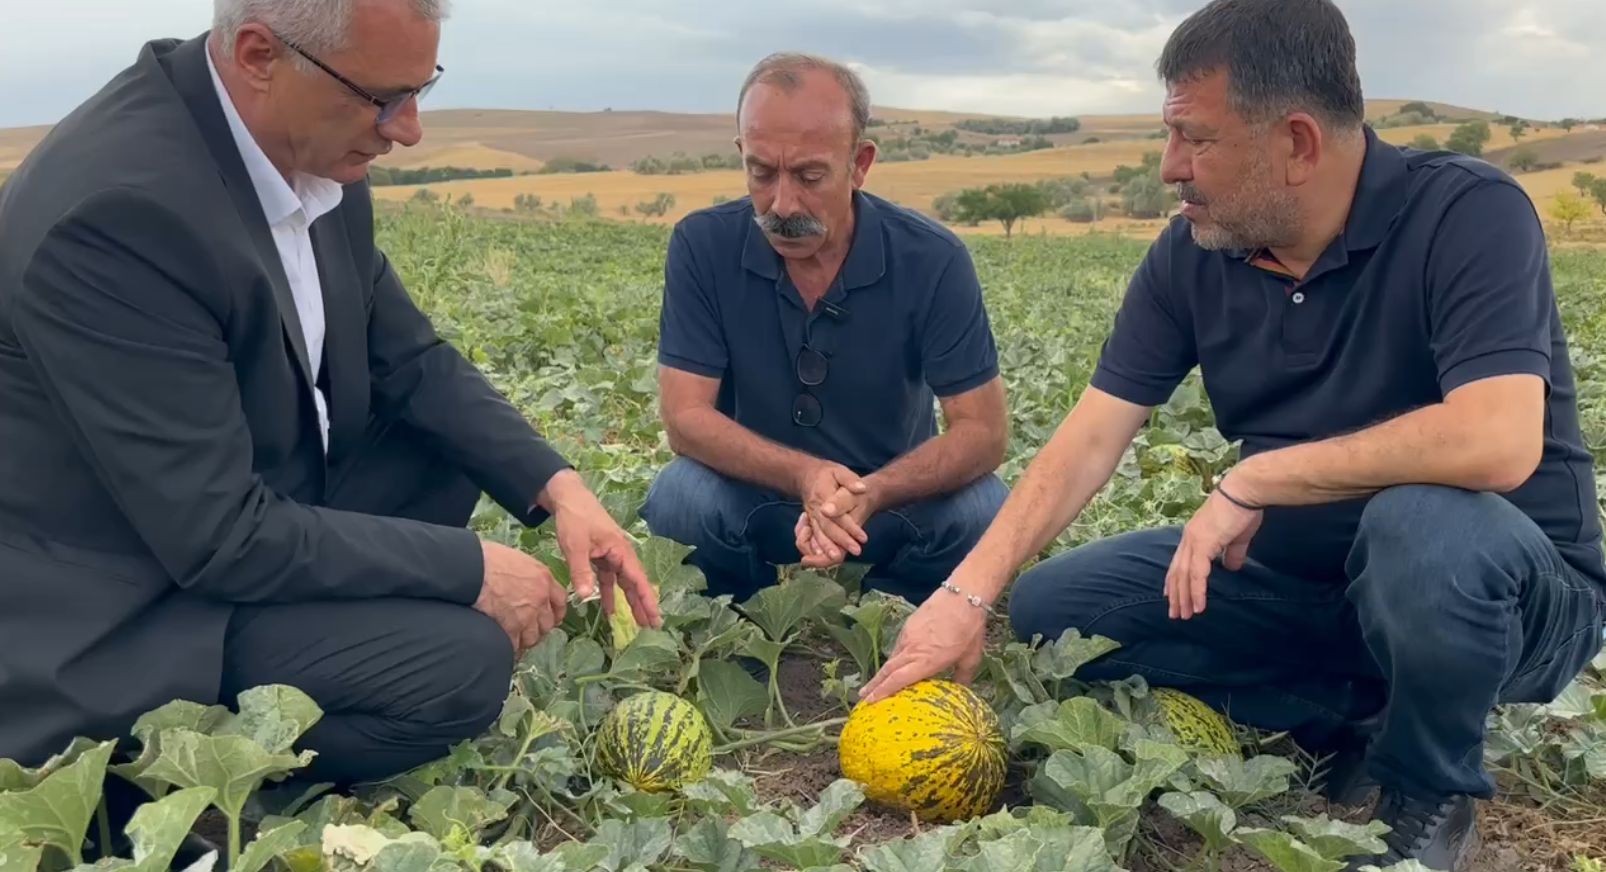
[{"x": 290, "y": 212}]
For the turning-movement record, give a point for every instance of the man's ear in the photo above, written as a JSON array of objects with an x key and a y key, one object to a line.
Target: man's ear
[
  {"x": 1302, "y": 145},
  {"x": 863, "y": 156},
  {"x": 256, "y": 55}
]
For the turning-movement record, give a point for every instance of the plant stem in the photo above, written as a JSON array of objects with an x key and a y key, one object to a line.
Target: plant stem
[
  {"x": 234, "y": 841},
  {"x": 761, "y": 738},
  {"x": 524, "y": 748},
  {"x": 104, "y": 820}
]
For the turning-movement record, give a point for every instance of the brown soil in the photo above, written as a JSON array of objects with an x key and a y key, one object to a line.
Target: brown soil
[{"x": 1516, "y": 836}]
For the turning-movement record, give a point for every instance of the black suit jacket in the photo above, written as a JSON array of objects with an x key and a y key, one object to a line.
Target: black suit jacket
[{"x": 160, "y": 458}]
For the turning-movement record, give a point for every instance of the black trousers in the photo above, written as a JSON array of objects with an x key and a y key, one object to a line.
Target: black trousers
[
  {"x": 399, "y": 680},
  {"x": 1455, "y": 602}
]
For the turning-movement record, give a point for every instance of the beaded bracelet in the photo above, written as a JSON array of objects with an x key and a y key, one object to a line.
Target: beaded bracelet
[{"x": 971, "y": 598}]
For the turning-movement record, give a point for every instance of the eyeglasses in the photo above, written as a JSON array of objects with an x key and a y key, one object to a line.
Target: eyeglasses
[
  {"x": 812, "y": 367},
  {"x": 388, "y": 107}
]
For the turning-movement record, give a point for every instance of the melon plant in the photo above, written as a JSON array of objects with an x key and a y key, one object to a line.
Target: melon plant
[
  {"x": 654, "y": 741},
  {"x": 934, "y": 748}
]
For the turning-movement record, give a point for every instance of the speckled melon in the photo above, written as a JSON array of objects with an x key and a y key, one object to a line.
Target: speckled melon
[
  {"x": 654, "y": 741},
  {"x": 934, "y": 748},
  {"x": 1196, "y": 725}
]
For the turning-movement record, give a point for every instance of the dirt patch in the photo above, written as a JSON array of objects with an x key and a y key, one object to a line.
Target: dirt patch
[{"x": 1580, "y": 146}]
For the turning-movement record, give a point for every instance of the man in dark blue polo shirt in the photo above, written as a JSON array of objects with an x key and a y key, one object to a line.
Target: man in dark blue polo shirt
[
  {"x": 808, "y": 333},
  {"x": 1412, "y": 534}
]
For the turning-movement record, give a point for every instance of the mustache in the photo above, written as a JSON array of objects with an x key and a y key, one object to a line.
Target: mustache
[
  {"x": 1186, "y": 191},
  {"x": 789, "y": 226}
]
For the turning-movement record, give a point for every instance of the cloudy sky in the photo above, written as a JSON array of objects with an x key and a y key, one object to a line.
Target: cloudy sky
[{"x": 1537, "y": 58}]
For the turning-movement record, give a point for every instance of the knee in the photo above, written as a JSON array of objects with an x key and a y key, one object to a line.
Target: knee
[
  {"x": 685, "y": 502},
  {"x": 1044, "y": 601},
  {"x": 1418, "y": 544}
]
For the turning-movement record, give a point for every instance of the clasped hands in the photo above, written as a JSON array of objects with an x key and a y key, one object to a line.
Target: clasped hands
[
  {"x": 837, "y": 506},
  {"x": 519, "y": 591}
]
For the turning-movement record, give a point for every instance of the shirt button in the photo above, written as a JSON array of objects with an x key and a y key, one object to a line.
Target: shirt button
[{"x": 1299, "y": 297}]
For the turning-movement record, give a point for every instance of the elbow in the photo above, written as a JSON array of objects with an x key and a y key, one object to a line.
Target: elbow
[
  {"x": 995, "y": 445},
  {"x": 1509, "y": 466}
]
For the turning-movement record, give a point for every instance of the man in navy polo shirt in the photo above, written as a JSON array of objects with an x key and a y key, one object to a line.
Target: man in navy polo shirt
[
  {"x": 808, "y": 333},
  {"x": 1412, "y": 534}
]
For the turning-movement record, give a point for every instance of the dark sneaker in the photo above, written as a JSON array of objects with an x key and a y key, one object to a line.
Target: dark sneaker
[{"x": 1440, "y": 833}]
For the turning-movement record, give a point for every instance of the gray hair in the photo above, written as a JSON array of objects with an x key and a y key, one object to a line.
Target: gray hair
[
  {"x": 319, "y": 26},
  {"x": 783, "y": 69},
  {"x": 1280, "y": 56}
]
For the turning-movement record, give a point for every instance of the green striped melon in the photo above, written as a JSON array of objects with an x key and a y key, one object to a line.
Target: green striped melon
[
  {"x": 654, "y": 741},
  {"x": 934, "y": 748},
  {"x": 1196, "y": 726}
]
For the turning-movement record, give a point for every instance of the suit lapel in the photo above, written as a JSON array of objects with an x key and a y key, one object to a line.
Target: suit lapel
[
  {"x": 345, "y": 338},
  {"x": 193, "y": 81}
]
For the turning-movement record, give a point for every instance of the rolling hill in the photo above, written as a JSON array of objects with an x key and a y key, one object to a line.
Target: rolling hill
[{"x": 523, "y": 142}]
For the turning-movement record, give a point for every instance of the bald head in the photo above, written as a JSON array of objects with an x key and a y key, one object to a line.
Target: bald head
[{"x": 811, "y": 91}]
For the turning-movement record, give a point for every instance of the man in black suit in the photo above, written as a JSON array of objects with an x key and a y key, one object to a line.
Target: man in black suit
[{"x": 235, "y": 453}]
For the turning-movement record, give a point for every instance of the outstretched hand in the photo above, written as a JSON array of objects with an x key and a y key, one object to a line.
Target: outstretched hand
[
  {"x": 946, "y": 632},
  {"x": 600, "y": 555}
]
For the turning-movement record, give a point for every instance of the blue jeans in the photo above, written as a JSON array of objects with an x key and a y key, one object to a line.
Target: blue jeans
[
  {"x": 1455, "y": 602},
  {"x": 739, "y": 533}
]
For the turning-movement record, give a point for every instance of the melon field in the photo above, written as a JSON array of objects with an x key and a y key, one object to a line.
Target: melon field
[{"x": 563, "y": 316}]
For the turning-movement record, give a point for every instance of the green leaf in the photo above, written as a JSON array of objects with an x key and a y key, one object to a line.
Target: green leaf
[
  {"x": 1204, "y": 814},
  {"x": 525, "y": 857},
  {"x": 721, "y": 792},
  {"x": 450, "y": 812},
  {"x": 641, "y": 842},
  {"x": 838, "y": 800},
  {"x": 17, "y": 855},
  {"x": 269, "y": 844},
  {"x": 272, "y": 716},
  {"x": 707, "y": 845},
  {"x": 726, "y": 693},
  {"x": 663, "y": 560},
  {"x": 780, "y": 608},
  {"x": 925, "y": 852},
  {"x": 157, "y": 829},
  {"x": 14, "y": 776},
  {"x": 1078, "y": 723},
  {"x": 232, "y": 765},
  {"x": 1240, "y": 783},
  {"x": 1285, "y": 851},
  {"x": 774, "y": 838},
  {"x": 1337, "y": 839},
  {"x": 57, "y": 810},
  {"x": 1062, "y": 658},
  {"x": 651, "y": 652}
]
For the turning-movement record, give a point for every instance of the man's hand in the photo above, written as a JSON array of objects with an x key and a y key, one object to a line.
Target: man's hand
[
  {"x": 1220, "y": 529},
  {"x": 851, "y": 511},
  {"x": 597, "y": 550},
  {"x": 946, "y": 631},
  {"x": 520, "y": 594},
  {"x": 826, "y": 484}
]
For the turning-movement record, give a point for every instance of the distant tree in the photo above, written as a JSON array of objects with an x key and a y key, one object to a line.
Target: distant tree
[
  {"x": 1425, "y": 142},
  {"x": 1597, "y": 190},
  {"x": 467, "y": 201},
  {"x": 1004, "y": 203},
  {"x": 1518, "y": 130},
  {"x": 1469, "y": 138},
  {"x": 1523, "y": 160},
  {"x": 1567, "y": 208},
  {"x": 583, "y": 206},
  {"x": 1583, "y": 182},
  {"x": 1568, "y": 124},
  {"x": 1144, "y": 197},
  {"x": 1417, "y": 107},
  {"x": 657, "y": 206},
  {"x": 1081, "y": 210}
]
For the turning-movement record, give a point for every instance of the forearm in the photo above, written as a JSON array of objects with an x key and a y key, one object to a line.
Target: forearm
[
  {"x": 965, "y": 452},
  {"x": 714, "y": 440},
  {"x": 1437, "y": 444},
  {"x": 1073, "y": 466}
]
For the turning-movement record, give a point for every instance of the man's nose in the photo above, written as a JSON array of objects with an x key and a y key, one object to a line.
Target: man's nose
[{"x": 405, "y": 127}]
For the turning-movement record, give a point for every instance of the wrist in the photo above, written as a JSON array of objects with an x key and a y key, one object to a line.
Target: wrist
[
  {"x": 562, "y": 490},
  {"x": 1245, "y": 484}
]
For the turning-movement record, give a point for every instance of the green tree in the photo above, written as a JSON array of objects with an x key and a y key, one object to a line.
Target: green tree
[
  {"x": 1425, "y": 142},
  {"x": 1567, "y": 208},
  {"x": 1003, "y": 203},
  {"x": 1597, "y": 190},
  {"x": 1523, "y": 160},
  {"x": 1144, "y": 197},
  {"x": 1469, "y": 138},
  {"x": 1583, "y": 182}
]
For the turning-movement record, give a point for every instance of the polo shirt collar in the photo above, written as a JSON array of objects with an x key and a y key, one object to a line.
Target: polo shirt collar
[{"x": 866, "y": 262}]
